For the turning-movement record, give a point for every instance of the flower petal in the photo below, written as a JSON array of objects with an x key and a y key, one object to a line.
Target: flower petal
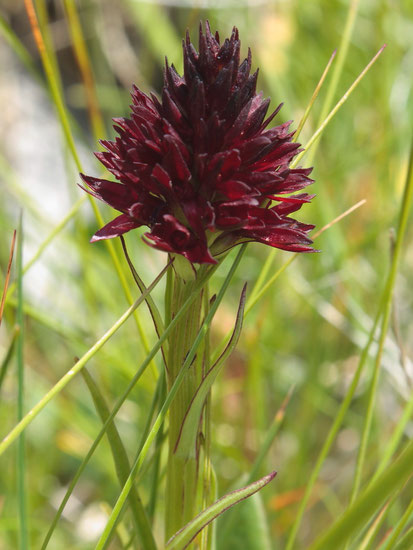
[{"x": 120, "y": 225}]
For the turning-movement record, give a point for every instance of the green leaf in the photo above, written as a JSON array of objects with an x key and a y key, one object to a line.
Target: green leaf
[
  {"x": 183, "y": 538},
  {"x": 188, "y": 434},
  {"x": 153, "y": 309}
]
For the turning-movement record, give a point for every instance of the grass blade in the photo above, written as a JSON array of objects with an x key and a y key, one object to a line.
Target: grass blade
[
  {"x": 85, "y": 67},
  {"x": 333, "y": 432},
  {"x": 366, "y": 504},
  {"x": 154, "y": 484},
  {"x": 395, "y": 438},
  {"x": 384, "y": 305},
  {"x": 53, "y": 80},
  {"x": 338, "y": 69},
  {"x": 392, "y": 540},
  {"x": 270, "y": 436},
  {"x": 314, "y": 97},
  {"x": 375, "y": 527},
  {"x": 183, "y": 538},
  {"x": 21, "y": 451},
  {"x": 317, "y": 134}
]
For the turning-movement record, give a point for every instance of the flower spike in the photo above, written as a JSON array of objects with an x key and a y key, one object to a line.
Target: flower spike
[{"x": 199, "y": 168}]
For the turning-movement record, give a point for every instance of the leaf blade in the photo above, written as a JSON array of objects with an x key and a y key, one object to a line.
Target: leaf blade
[{"x": 183, "y": 538}]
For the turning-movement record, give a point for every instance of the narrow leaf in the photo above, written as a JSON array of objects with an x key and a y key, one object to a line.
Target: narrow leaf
[
  {"x": 153, "y": 309},
  {"x": 395, "y": 438},
  {"x": 376, "y": 525},
  {"x": 368, "y": 417},
  {"x": 314, "y": 97},
  {"x": 183, "y": 538},
  {"x": 343, "y": 48},
  {"x": 336, "y": 108}
]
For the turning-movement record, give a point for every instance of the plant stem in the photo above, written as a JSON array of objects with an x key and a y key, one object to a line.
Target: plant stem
[{"x": 183, "y": 475}]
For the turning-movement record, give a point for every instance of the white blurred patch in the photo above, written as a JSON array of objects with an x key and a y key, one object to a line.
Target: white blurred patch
[{"x": 91, "y": 523}]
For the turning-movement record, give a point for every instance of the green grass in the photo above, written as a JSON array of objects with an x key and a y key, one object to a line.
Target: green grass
[{"x": 322, "y": 323}]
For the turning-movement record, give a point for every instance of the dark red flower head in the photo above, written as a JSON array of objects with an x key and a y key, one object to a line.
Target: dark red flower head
[{"x": 200, "y": 168}]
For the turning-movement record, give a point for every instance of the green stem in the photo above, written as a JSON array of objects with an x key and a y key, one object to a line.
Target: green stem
[
  {"x": 21, "y": 454},
  {"x": 183, "y": 471}
]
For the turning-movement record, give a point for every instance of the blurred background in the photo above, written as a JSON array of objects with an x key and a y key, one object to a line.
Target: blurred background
[{"x": 306, "y": 333}]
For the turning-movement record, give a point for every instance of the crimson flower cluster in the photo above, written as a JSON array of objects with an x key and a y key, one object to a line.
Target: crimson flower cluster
[{"x": 200, "y": 168}]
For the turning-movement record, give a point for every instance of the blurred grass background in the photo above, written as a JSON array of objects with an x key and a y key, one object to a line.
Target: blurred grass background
[{"x": 306, "y": 333}]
